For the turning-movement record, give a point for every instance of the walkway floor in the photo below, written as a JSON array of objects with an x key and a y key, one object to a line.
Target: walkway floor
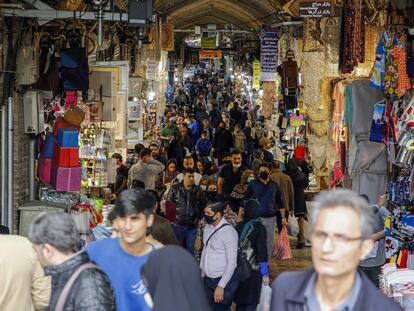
[{"x": 302, "y": 260}]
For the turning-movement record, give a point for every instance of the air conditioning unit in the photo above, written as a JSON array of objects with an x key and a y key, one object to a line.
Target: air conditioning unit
[
  {"x": 33, "y": 112},
  {"x": 140, "y": 13}
]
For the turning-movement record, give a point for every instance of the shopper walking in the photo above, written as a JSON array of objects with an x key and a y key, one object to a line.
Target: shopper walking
[
  {"x": 174, "y": 281},
  {"x": 219, "y": 258},
  {"x": 270, "y": 198},
  {"x": 223, "y": 141},
  {"x": 286, "y": 187},
  {"x": 300, "y": 183},
  {"x": 251, "y": 229},
  {"x": 146, "y": 170},
  {"x": 23, "y": 285},
  {"x": 56, "y": 242},
  {"x": 188, "y": 163},
  {"x": 121, "y": 182},
  {"x": 342, "y": 226},
  {"x": 122, "y": 258},
  {"x": 189, "y": 203},
  {"x": 231, "y": 174}
]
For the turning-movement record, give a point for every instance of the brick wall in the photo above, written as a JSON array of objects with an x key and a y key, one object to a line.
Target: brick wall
[{"x": 20, "y": 160}]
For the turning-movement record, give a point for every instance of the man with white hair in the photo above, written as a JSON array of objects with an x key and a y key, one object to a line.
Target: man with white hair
[{"x": 342, "y": 228}]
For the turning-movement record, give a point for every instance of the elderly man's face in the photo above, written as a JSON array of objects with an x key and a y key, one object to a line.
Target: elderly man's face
[{"x": 337, "y": 247}]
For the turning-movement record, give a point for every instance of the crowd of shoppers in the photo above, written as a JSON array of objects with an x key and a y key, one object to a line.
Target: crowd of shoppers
[{"x": 212, "y": 186}]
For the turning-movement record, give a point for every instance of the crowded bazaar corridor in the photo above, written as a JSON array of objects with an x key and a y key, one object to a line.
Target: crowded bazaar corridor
[{"x": 206, "y": 155}]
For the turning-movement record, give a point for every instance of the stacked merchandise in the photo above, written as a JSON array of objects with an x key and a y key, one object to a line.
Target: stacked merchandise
[
  {"x": 398, "y": 284},
  {"x": 66, "y": 172},
  {"x": 44, "y": 167}
]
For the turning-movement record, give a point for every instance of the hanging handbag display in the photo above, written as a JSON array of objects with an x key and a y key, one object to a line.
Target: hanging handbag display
[{"x": 74, "y": 115}]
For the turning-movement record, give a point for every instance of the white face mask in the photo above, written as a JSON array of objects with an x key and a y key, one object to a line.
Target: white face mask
[
  {"x": 203, "y": 187},
  {"x": 236, "y": 165}
]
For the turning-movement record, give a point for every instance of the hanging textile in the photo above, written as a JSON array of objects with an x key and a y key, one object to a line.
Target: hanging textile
[
  {"x": 351, "y": 50},
  {"x": 400, "y": 56},
  {"x": 377, "y": 124}
]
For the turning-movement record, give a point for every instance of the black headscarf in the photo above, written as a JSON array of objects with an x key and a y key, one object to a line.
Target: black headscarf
[{"x": 173, "y": 278}]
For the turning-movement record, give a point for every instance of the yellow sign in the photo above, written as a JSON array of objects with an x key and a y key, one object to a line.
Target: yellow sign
[
  {"x": 203, "y": 54},
  {"x": 256, "y": 75},
  {"x": 209, "y": 43}
]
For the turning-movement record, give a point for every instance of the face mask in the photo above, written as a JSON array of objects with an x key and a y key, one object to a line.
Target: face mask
[
  {"x": 227, "y": 162},
  {"x": 203, "y": 187},
  {"x": 250, "y": 179},
  {"x": 212, "y": 193},
  {"x": 236, "y": 165},
  {"x": 264, "y": 175},
  {"x": 209, "y": 219}
]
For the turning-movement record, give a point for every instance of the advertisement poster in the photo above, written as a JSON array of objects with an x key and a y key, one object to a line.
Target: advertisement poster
[
  {"x": 268, "y": 53},
  {"x": 256, "y": 75}
]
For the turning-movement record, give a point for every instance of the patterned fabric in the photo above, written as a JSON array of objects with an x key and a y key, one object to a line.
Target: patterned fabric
[
  {"x": 351, "y": 49},
  {"x": 378, "y": 71},
  {"x": 403, "y": 81}
]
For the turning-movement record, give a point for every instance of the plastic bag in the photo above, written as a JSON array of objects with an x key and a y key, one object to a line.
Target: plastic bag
[
  {"x": 293, "y": 226},
  {"x": 265, "y": 298},
  {"x": 281, "y": 249}
]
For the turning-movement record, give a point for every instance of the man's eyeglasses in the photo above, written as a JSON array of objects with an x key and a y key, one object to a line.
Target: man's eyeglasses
[{"x": 336, "y": 239}]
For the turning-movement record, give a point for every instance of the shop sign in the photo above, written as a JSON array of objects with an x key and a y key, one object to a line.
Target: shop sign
[
  {"x": 316, "y": 9},
  {"x": 152, "y": 69},
  {"x": 268, "y": 53},
  {"x": 205, "y": 54},
  {"x": 256, "y": 75},
  {"x": 208, "y": 43}
]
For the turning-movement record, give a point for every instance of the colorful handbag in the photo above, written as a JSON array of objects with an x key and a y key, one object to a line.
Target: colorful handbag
[{"x": 74, "y": 115}]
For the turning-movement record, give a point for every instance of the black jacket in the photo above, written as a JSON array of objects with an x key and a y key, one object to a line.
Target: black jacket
[
  {"x": 300, "y": 183},
  {"x": 121, "y": 179},
  {"x": 288, "y": 294},
  {"x": 215, "y": 118},
  {"x": 92, "y": 291},
  {"x": 223, "y": 140},
  {"x": 249, "y": 290},
  {"x": 189, "y": 208}
]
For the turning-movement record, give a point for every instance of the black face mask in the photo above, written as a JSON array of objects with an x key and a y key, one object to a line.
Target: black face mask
[
  {"x": 212, "y": 194},
  {"x": 227, "y": 162},
  {"x": 264, "y": 175},
  {"x": 209, "y": 219}
]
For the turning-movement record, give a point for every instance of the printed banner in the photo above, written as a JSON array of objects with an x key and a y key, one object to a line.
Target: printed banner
[
  {"x": 268, "y": 53},
  {"x": 203, "y": 54},
  {"x": 209, "y": 43},
  {"x": 256, "y": 75}
]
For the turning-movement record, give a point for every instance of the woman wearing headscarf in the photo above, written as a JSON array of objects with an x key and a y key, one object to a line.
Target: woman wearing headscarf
[
  {"x": 239, "y": 191},
  {"x": 239, "y": 139},
  {"x": 171, "y": 172},
  {"x": 300, "y": 183},
  {"x": 173, "y": 279},
  {"x": 300, "y": 155},
  {"x": 252, "y": 230}
]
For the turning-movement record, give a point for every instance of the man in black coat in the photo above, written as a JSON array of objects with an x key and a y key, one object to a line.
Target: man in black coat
[
  {"x": 342, "y": 228},
  {"x": 223, "y": 141},
  {"x": 56, "y": 241},
  {"x": 189, "y": 202},
  {"x": 215, "y": 116}
]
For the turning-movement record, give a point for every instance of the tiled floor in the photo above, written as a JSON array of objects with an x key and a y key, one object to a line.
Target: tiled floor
[{"x": 302, "y": 260}]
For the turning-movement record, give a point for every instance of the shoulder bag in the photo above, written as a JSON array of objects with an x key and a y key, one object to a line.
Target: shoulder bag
[{"x": 66, "y": 290}]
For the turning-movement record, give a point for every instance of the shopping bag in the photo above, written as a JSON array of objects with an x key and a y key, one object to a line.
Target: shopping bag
[
  {"x": 293, "y": 226},
  {"x": 281, "y": 249},
  {"x": 265, "y": 298}
]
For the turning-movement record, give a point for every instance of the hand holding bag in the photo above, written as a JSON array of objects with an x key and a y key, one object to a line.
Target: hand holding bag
[
  {"x": 293, "y": 226},
  {"x": 281, "y": 248},
  {"x": 265, "y": 298}
]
